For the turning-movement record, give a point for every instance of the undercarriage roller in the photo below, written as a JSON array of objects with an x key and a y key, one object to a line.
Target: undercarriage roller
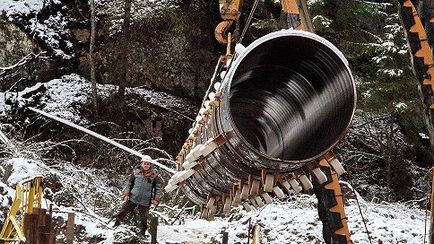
[{"x": 284, "y": 102}]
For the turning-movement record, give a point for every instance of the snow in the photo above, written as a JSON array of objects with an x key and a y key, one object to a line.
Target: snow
[
  {"x": 297, "y": 222},
  {"x": 22, "y": 169},
  {"x": 51, "y": 31},
  {"x": 424, "y": 136},
  {"x": 400, "y": 106},
  {"x": 392, "y": 72},
  {"x": 291, "y": 221},
  {"x": 313, "y": 2},
  {"x": 2, "y": 103},
  {"x": 6, "y": 193},
  {"x": 24, "y": 7},
  {"x": 63, "y": 97},
  {"x": 139, "y": 10},
  {"x": 192, "y": 231},
  {"x": 321, "y": 21}
]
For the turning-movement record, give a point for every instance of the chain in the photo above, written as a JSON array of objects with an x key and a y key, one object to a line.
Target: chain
[{"x": 249, "y": 19}]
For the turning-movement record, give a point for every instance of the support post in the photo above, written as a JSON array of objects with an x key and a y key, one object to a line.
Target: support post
[
  {"x": 225, "y": 238},
  {"x": 70, "y": 228},
  {"x": 431, "y": 229},
  {"x": 256, "y": 234},
  {"x": 30, "y": 224}
]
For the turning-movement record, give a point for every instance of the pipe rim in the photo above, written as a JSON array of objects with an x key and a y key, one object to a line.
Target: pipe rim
[{"x": 227, "y": 83}]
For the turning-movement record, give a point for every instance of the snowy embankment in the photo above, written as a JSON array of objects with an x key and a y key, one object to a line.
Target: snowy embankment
[
  {"x": 292, "y": 221},
  {"x": 63, "y": 97}
]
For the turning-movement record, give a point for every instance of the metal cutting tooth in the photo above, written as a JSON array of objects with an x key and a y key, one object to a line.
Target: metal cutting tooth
[
  {"x": 287, "y": 186},
  {"x": 169, "y": 188},
  {"x": 254, "y": 190},
  {"x": 204, "y": 213},
  {"x": 259, "y": 201},
  {"x": 320, "y": 176},
  {"x": 210, "y": 202},
  {"x": 247, "y": 206},
  {"x": 237, "y": 198},
  {"x": 305, "y": 182},
  {"x": 295, "y": 185},
  {"x": 278, "y": 192},
  {"x": 267, "y": 198},
  {"x": 253, "y": 202},
  {"x": 245, "y": 192},
  {"x": 227, "y": 205},
  {"x": 269, "y": 182},
  {"x": 337, "y": 166}
]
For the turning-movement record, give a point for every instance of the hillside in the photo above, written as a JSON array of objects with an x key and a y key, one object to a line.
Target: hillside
[{"x": 165, "y": 65}]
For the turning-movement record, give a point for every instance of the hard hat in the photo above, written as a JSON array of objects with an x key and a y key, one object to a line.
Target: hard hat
[{"x": 146, "y": 158}]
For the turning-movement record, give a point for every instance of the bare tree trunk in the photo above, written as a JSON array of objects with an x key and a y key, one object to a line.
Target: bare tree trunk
[
  {"x": 91, "y": 56},
  {"x": 124, "y": 55},
  {"x": 389, "y": 155}
]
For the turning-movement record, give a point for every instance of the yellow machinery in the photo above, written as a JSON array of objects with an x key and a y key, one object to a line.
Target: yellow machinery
[
  {"x": 421, "y": 55},
  {"x": 27, "y": 197}
]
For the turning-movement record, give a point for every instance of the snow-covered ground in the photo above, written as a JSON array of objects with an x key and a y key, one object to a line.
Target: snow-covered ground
[
  {"x": 297, "y": 222},
  {"x": 292, "y": 221}
]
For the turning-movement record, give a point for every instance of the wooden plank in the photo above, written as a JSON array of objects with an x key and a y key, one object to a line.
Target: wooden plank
[
  {"x": 30, "y": 232},
  {"x": 40, "y": 212},
  {"x": 70, "y": 228},
  {"x": 47, "y": 230},
  {"x": 44, "y": 228},
  {"x": 225, "y": 238}
]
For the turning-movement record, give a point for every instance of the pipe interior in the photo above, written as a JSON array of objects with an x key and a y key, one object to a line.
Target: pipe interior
[{"x": 292, "y": 98}]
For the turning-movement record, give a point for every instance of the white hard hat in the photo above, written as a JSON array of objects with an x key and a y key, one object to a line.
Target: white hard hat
[{"x": 146, "y": 158}]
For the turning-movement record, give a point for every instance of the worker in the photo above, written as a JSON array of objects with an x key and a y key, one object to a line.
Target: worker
[{"x": 141, "y": 189}]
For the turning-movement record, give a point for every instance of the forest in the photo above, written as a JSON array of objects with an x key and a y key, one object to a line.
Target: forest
[{"x": 137, "y": 71}]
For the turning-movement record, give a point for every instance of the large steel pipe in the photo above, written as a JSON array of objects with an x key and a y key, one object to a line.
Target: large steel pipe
[{"x": 287, "y": 99}]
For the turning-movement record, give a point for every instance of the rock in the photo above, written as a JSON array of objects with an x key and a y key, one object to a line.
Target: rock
[{"x": 14, "y": 42}]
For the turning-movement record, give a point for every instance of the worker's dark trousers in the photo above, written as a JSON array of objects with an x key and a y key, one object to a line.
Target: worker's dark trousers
[{"x": 128, "y": 207}]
